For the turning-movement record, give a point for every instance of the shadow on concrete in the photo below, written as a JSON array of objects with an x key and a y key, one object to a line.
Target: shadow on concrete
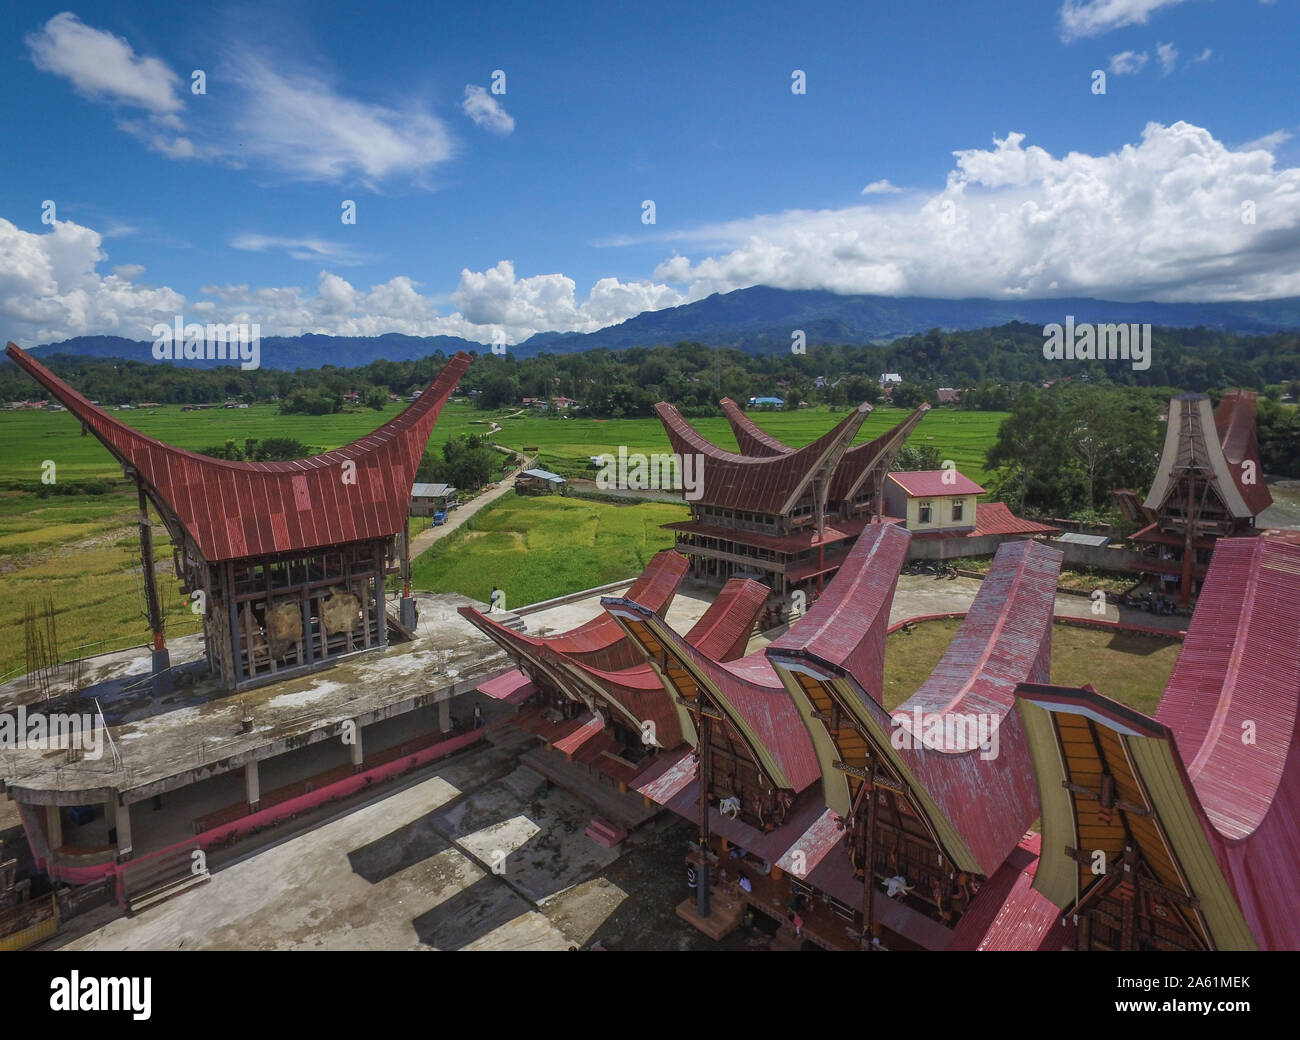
[
  {"x": 473, "y": 912},
  {"x": 397, "y": 850}
]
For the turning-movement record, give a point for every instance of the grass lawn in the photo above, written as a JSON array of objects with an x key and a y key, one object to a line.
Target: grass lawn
[
  {"x": 1130, "y": 668},
  {"x": 536, "y": 548}
]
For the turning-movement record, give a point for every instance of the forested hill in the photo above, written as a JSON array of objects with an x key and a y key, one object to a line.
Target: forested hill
[{"x": 756, "y": 321}]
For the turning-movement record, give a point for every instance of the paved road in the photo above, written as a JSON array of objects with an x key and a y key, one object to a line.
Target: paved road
[{"x": 458, "y": 516}]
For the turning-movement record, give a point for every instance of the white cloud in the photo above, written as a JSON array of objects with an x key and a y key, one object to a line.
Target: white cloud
[
  {"x": 299, "y": 124},
  {"x": 50, "y": 290},
  {"x": 1203, "y": 56},
  {"x": 486, "y": 111},
  {"x": 1168, "y": 55},
  {"x": 547, "y": 302},
  {"x": 1159, "y": 219},
  {"x": 1094, "y": 17},
  {"x": 315, "y": 249},
  {"x": 881, "y": 187},
  {"x": 290, "y": 119},
  {"x": 1127, "y": 63},
  {"x": 103, "y": 66},
  {"x": 1268, "y": 143}
]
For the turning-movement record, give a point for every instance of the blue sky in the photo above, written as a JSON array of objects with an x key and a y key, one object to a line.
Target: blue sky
[{"x": 996, "y": 169}]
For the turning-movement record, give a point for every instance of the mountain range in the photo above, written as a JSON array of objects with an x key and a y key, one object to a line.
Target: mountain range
[{"x": 758, "y": 320}]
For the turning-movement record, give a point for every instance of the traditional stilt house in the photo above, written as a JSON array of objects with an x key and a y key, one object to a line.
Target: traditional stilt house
[
  {"x": 286, "y": 561},
  {"x": 1182, "y": 831}
]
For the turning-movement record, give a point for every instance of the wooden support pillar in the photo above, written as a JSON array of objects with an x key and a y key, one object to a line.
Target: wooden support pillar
[
  {"x": 162, "y": 677},
  {"x": 380, "y": 618},
  {"x": 869, "y": 855},
  {"x": 1189, "y": 539},
  {"x": 704, "y": 726},
  {"x": 306, "y": 632}
]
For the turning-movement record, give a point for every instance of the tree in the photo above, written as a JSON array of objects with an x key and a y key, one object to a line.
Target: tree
[{"x": 376, "y": 399}]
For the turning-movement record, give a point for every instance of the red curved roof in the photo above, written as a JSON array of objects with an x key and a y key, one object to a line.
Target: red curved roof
[
  {"x": 1234, "y": 421},
  {"x": 1240, "y": 665},
  {"x": 987, "y": 800},
  {"x": 860, "y": 460},
  {"x": 751, "y": 437},
  {"x": 846, "y": 625},
  {"x": 600, "y": 642},
  {"x": 854, "y": 467},
  {"x": 1008, "y": 913},
  {"x": 764, "y": 485},
  {"x": 722, "y": 630},
  {"x": 238, "y": 509}
]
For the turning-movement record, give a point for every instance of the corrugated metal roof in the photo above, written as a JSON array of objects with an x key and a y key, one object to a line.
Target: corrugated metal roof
[
  {"x": 239, "y": 509},
  {"x": 986, "y": 801},
  {"x": 854, "y": 468},
  {"x": 846, "y": 627},
  {"x": 1097, "y": 541},
  {"x": 1238, "y": 677},
  {"x": 1008, "y": 914},
  {"x": 430, "y": 490},
  {"x": 1234, "y": 421},
  {"x": 925, "y": 483},
  {"x": 766, "y": 485},
  {"x": 997, "y": 518},
  {"x": 543, "y": 474}
]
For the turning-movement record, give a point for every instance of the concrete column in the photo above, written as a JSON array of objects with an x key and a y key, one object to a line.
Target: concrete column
[
  {"x": 123, "y": 832},
  {"x": 252, "y": 788},
  {"x": 358, "y": 754},
  {"x": 110, "y": 817},
  {"x": 444, "y": 716},
  {"x": 53, "y": 827}
]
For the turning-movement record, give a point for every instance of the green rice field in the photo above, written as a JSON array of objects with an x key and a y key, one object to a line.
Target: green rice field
[
  {"x": 536, "y": 548},
  {"x": 31, "y": 438},
  {"x": 81, "y": 550}
]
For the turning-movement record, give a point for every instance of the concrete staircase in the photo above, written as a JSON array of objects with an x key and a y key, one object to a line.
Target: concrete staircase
[
  {"x": 151, "y": 881},
  {"x": 514, "y": 622}
]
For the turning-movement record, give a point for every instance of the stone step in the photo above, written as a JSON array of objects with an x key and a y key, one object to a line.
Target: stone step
[
  {"x": 167, "y": 891},
  {"x": 605, "y": 833}
]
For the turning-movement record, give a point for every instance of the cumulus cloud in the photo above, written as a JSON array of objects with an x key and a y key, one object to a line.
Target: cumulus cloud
[
  {"x": 102, "y": 66},
  {"x": 1157, "y": 219},
  {"x": 486, "y": 111},
  {"x": 1094, "y": 17},
  {"x": 881, "y": 187},
  {"x": 1160, "y": 219},
  {"x": 50, "y": 290},
  {"x": 1128, "y": 63},
  {"x": 1203, "y": 56},
  {"x": 548, "y": 303}
]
